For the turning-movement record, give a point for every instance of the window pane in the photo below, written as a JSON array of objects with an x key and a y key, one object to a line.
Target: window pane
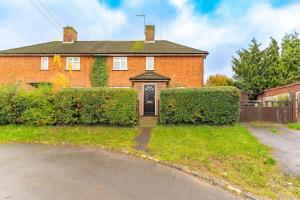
[
  {"x": 76, "y": 66},
  {"x": 150, "y": 63},
  {"x": 44, "y": 63},
  {"x": 124, "y": 63},
  {"x": 119, "y": 63}
]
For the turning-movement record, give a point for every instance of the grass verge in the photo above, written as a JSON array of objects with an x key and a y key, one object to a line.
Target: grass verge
[
  {"x": 92, "y": 136},
  {"x": 294, "y": 126},
  {"x": 226, "y": 152}
]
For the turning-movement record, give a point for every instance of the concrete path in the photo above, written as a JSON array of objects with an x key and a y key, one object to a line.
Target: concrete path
[
  {"x": 39, "y": 172},
  {"x": 286, "y": 143},
  {"x": 146, "y": 124}
]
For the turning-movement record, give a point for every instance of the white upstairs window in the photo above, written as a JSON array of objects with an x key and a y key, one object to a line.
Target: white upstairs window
[
  {"x": 120, "y": 63},
  {"x": 73, "y": 62},
  {"x": 149, "y": 63},
  {"x": 44, "y": 63}
]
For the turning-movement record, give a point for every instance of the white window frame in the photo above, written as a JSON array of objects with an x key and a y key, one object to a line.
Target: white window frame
[
  {"x": 120, "y": 87},
  {"x": 73, "y": 63},
  {"x": 120, "y": 63},
  {"x": 150, "y": 60},
  {"x": 44, "y": 66}
]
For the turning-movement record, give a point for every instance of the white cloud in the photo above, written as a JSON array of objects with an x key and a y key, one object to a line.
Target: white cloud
[
  {"x": 228, "y": 31},
  {"x": 24, "y": 25}
]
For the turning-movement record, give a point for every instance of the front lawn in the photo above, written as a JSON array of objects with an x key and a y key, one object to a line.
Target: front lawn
[
  {"x": 92, "y": 136},
  {"x": 226, "y": 152}
]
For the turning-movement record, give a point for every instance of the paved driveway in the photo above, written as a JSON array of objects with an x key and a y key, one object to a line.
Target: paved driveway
[
  {"x": 286, "y": 144},
  {"x": 38, "y": 172}
]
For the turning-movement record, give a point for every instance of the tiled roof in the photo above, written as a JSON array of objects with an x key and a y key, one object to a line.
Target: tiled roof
[
  {"x": 150, "y": 76},
  {"x": 105, "y": 47}
]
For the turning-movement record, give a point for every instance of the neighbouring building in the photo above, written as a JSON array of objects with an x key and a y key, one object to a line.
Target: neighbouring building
[
  {"x": 280, "y": 93},
  {"x": 147, "y": 66}
]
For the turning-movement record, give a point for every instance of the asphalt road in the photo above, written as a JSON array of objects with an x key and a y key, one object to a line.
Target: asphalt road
[
  {"x": 286, "y": 144},
  {"x": 38, "y": 172}
]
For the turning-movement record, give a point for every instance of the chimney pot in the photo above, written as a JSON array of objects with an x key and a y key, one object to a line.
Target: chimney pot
[
  {"x": 150, "y": 33},
  {"x": 70, "y": 34}
]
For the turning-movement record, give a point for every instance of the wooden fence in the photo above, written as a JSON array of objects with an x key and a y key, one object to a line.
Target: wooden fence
[{"x": 268, "y": 111}]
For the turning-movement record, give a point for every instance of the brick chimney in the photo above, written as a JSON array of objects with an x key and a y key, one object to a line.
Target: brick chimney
[
  {"x": 150, "y": 33},
  {"x": 70, "y": 34}
]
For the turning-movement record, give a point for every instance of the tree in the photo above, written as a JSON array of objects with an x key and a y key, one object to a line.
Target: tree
[
  {"x": 290, "y": 59},
  {"x": 218, "y": 80},
  {"x": 60, "y": 80},
  {"x": 256, "y": 70},
  {"x": 249, "y": 73},
  {"x": 271, "y": 59}
]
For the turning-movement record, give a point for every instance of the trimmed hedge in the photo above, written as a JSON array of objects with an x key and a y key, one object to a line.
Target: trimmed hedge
[
  {"x": 210, "y": 105},
  {"x": 68, "y": 106},
  {"x": 11, "y": 105},
  {"x": 38, "y": 106},
  {"x": 96, "y": 105}
]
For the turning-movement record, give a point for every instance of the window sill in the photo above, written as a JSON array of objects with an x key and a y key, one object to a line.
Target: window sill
[
  {"x": 73, "y": 70},
  {"x": 44, "y": 70},
  {"x": 119, "y": 69}
]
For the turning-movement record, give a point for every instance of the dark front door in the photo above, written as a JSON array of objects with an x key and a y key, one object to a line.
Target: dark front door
[{"x": 149, "y": 100}]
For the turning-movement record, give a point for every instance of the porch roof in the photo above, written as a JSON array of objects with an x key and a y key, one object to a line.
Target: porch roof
[{"x": 150, "y": 76}]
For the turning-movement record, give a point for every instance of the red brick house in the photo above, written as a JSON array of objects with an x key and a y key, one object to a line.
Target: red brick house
[{"x": 147, "y": 66}]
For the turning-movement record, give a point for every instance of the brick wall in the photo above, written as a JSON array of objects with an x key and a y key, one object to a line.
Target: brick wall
[
  {"x": 275, "y": 92},
  {"x": 183, "y": 71}
]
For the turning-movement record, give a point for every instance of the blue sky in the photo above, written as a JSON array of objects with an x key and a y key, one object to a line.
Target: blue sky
[{"x": 221, "y": 27}]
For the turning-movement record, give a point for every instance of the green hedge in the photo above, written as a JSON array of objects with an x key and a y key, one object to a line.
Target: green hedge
[
  {"x": 68, "y": 106},
  {"x": 96, "y": 105},
  {"x": 38, "y": 106},
  {"x": 12, "y": 105},
  {"x": 210, "y": 105}
]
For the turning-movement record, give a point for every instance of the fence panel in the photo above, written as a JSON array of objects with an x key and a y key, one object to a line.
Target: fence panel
[{"x": 266, "y": 111}]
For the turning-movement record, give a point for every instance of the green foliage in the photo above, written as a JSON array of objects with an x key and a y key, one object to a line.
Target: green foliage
[
  {"x": 39, "y": 108},
  {"x": 99, "y": 72},
  {"x": 96, "y": 105},
  {"x": 218, "y": 80},
  {"x": 68, "y": 106},
  {"x": 210, "y": 105},
  {"x": 256, "y": 70},
  {"x": 12, "y": 104}
]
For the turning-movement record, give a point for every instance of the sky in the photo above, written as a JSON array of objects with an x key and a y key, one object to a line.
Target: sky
[{"x": 221, "y": 27}]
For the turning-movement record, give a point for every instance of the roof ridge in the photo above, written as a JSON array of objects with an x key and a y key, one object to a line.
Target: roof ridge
[
  {"x": 186, "y": 46},
  {"x": 29, "y": 46}
]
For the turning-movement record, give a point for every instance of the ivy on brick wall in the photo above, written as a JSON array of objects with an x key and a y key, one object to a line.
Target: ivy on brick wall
[{"x": 99, "y": 72}]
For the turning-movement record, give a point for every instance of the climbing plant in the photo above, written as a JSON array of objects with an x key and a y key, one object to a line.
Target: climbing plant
[{"x": 99, "y": 72}]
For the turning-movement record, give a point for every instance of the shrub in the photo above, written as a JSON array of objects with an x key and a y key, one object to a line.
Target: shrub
[
  {"x": 39, "y": 109},
  {"x": 96, "y": 105},
  {"x": 12, "y": 105},
  {"x": 211, "y": 105},
  {"x": 42, "y": 106}
]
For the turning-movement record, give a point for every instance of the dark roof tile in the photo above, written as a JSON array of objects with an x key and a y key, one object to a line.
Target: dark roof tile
[
  {"x": 150, "y": 76},
  {"x": 105, "y": 47}
]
